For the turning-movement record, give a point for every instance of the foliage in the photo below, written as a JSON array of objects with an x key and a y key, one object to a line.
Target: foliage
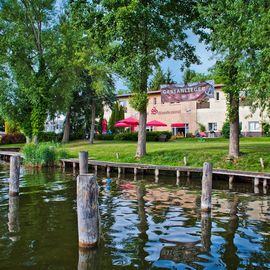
[
  {"x": 191, "y": 76},
  {"x": 105, "y": 137},
  {"x": 160, "y": 78},
  {"x": 139, "y": 101},
  {"x": 12, "y": 138},
  {"x": 226, "y": 129},
  {"x": 202, "y": 127},
  {"x": 43, "y": 154},
  {"x": 26, "y": 62},
  {"x": 50, "y": 137},
  {"x": 151, "y": 136},
  {"x": 266, "y": 129},
  {"x": 117, "y": 114}
]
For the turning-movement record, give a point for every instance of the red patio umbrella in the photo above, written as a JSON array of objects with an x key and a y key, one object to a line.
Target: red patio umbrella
[
  {"x": 155, "y": 123},
  {"x": 130, "y": 121},
  {"x": 121, "y": 125}
]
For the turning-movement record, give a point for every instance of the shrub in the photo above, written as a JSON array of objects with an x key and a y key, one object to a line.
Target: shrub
[
  {"x": 189, "y": 135},
  {"x": 50, "y": 137},
  {"x": 42, "y": 154},
  {"x": 13, "y": 138},
  {"x": 105, "y": 137},
  {"x": 151, "y": 136},
  {"x": 202, "y": 127},
  {"x": 266, "y": 129},
  {"x": 226, "y": 129}
]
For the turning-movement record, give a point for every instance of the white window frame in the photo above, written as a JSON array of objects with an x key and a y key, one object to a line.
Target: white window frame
[
  {"x": 253, "y": 126},
  {"x": 213, "y": 124}
]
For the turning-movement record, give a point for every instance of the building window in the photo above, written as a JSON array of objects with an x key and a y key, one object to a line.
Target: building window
[
  {"x": 155, "y": 101},
  {"x": 217, "y": 95},
  {"x": 253, "y": 126},
  {"x": 212, "y": 126},
  {"x": 203, "y": 105}
]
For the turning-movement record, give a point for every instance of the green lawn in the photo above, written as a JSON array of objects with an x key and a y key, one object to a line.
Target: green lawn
[{"x": 172, "y": 153}]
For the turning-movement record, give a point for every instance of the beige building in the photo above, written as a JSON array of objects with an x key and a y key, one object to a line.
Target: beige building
[{"x": 185, "y": 117}]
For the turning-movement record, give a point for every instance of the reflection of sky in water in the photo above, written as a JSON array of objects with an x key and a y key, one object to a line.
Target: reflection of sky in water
[{"x": 144, "y": 226}]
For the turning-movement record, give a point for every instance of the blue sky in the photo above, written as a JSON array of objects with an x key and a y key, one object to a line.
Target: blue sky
[{"x": 205, "y": 56}]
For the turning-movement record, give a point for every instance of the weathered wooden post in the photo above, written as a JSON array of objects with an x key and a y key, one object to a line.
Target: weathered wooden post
[
  {"x": 87, "y": 210},
  {"x": 265, "y": 183},
  {"x": 256, "y": 181},
  {"x": 206, "y": 198},
  {"x": 135, "y": 171},
  {"x": 119, "y": 172},
  {"x": 185, "y": 161},
  {"x": 13, "y": 217},
  {"x": 14, "y": 178},
  {"x": 108, "y": 171},
  {"x": 88, "y": 259},
  {"x": 83, "y": 162},
  {"x": 96, "y": 169},
  {"x": 206, "y": 227}
]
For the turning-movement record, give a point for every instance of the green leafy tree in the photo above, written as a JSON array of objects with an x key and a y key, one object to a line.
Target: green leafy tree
[
  {"x": 237, "y": 31},
  {"x": 161, "y": 78},
  {"x": 135, "y": 36},
  {"x": 118, "y": 113},
  {"x": 30, "y": 62}
]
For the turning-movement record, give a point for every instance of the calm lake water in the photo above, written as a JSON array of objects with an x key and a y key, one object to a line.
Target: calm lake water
[{"x": 144, "y": 225}]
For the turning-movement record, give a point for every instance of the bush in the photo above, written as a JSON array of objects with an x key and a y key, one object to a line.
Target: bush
[
  {"x": 50, "y": 137},
  {"x": 151, "y": 136},
  {"x": 226, "y": 129},
  {"x": 266, "y": 129},
  {"x": 42, "y": 154},
  {"x": 13, "y": 138},
  {"x": 105, "y": 137},
  {"x": 202, "y": 127}
]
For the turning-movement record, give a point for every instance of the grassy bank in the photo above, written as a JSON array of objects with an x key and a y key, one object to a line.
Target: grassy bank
[{"x": 172, "y": 153}]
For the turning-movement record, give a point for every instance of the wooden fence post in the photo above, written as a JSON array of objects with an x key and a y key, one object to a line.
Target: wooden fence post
[
  {"x": 83, "y": 162},
  {"x": 14, "y": 178},
  {"x": 87, "y": 210},
  {"x": 206, "y": 198}
]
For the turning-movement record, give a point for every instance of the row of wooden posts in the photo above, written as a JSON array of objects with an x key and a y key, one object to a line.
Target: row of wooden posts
[{"x": 87, "y": 197}]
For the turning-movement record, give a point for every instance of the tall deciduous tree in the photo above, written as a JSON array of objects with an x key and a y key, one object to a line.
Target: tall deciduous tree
[
  {"x": 28, "y": 60},
  {"x": 136, "y": 36},
  {"x": 238, "y": 32}
]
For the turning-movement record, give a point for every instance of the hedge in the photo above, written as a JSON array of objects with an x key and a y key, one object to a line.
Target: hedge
[
  {"x": 13, "y": 138},
  {"x": 105, "y": 137},
  {"x": 151, "y": 136}
]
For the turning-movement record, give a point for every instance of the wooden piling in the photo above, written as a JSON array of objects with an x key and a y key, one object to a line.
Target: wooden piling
[
  {"x": 108, "y": 171},
  {"x": 256, "y": 181},
  {"x": 156, "y": 172},
  {"x": 265, "y": 183},
  {"x": 231, "y": 179},
  {"x": 14, "y": 177},
  {"x": 83, "y": 162},
  {"x": 206, "y": 198},
  {"x": 177, "y": 174},
  {"x": 119, "y": 171},
  {"x": 87, "y": 210},
  {"x": 135, "y": 171}
]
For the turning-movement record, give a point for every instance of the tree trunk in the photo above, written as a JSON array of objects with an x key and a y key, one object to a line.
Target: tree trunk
[
  {"x": 28, "y": 139},
  {"x": 67, "y": 128},
  {"x": 234, "y": 125},
  {"x": 141, "y": 145},
  {"x": 93, "y": 119},
  {"x": 35, "y": 139}
]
